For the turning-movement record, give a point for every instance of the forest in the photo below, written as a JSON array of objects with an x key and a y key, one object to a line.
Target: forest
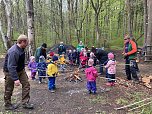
[
  {"x": 102, "y": 23},
  {"x": 98, "y": 23}
]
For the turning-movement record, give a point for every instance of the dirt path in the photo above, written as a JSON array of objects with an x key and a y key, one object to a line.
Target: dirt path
[{"x": 72, "y": 97}]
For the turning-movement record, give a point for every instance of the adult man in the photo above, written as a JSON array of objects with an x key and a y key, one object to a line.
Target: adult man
[
  {"x": 40, "y": 51},
  {"x": 102, "y": 56},
  {"x": 130, "y": 51},
  {"x": 15, "y": 74},
  {"x": 61, "y": 49}
]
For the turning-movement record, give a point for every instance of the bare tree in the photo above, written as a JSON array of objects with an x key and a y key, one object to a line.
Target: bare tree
[
  {"x": 97, "y": 9},
  {"x": 8, "y": 11},
  {"x": 145, "y": 20},
  {"x": 130, "y": 16},
  {"x": 149, "y": 34},
  {"x": 30, "y": 25}
]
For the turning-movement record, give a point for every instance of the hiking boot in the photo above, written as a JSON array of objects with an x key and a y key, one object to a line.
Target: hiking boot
[
  {"x": 11, "y": 107},
  {"x": 89, "y": 92},
  {"x": 28, "y": 106},
  {"x": 112, "y": 83}
]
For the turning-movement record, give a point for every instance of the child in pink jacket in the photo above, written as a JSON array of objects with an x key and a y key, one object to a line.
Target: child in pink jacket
[
  {"x": 91, "y": 75},
  {"x": 111, "y": 69}
]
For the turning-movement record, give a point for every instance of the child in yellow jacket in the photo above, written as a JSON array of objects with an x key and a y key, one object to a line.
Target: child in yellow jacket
[
  {"x": 52, "y": 72},
  {"x": 62, "y": 61}
]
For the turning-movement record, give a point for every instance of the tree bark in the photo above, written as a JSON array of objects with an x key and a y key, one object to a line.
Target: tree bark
[
  {"x": 8, "y": 11},
  {"x": 145, "y": 21},
  {"x": 30, "y": 25},
  {"x": 97, "y": 8},
  {"x": 149, "y": 34},
  {"x": 3, "y": 36}
]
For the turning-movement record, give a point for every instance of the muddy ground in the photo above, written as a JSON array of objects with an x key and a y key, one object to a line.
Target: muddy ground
[{"x": 73, "y": 98}]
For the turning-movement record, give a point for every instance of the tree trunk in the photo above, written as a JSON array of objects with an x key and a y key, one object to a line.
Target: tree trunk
[
  {"x": 9, "y": 22},
  {"x": 128, "y": 3},
  {"x": 149, "y": 34},
  {"x": 30, "y": 25},
  {"x": 3, "y": 36},
  {"x": 145, "y": 21}
]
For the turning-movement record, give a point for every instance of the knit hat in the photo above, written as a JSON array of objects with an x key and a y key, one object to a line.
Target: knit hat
[
  {"x": 90, "y": 62},
  {"x": 55, "y": 58},
  {"x": 110, "y": 55},
  {"x": 41, "y": 58},
  {"x": 44, "y": 45},
  {"x": 51, "y": 53},
  {"x": 31, "y": 58}
]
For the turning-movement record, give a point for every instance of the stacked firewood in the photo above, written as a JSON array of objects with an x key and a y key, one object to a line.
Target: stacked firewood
[
  {"x": 74, "y": 76},
  {"x": 146, "y": 80}
]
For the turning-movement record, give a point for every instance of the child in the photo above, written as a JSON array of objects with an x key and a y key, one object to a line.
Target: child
[
  {"x": 62, "y": 62},
  {"x": 74, "y": 56},
  {"x": 70, "y": 57},
  {"x": 111, "y": 69},
  {"x": 52, "y": 72},
  {"x": 83, "y": 58},
  {"x": 41, "y": 66},
  {"x": 49, "y": 57},
  {"x": 32, "y": 66},
  {"x": 91, "y": 75}
]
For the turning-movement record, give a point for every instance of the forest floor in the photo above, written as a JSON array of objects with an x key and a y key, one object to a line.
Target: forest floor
[{"x": 73, "y": 98}]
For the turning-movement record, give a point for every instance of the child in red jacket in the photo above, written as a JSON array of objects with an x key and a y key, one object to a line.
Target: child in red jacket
[{"x": 91, "y": 75}]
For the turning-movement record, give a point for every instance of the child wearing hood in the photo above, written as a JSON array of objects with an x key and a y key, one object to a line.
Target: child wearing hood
[
  {"x": 32, "y": 66},
  {"x": 41, "y": 67},
  {"x": 91, "y": 75},
  {"x": 52, "y": 72},
  {"x": 111, "y": 69}
]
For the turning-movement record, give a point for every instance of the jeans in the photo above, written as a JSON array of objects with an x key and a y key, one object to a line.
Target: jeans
[
  {"x": 51, "y": 83},
  {"x": 134, "y": 69},
  {"x": 127, "y": 68},
  {"x": 62, "y": 67}
]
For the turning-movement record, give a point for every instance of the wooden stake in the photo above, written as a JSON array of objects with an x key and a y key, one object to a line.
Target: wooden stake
[
  {"x": 123, "y": 107},
  {"x": 140, "y": 106}
]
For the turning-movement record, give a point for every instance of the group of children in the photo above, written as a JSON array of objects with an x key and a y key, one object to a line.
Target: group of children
[
  {"x": 91, "y": 73},
  {"x": 45, "y": 69},
  {"x": 49, "y": 68}
]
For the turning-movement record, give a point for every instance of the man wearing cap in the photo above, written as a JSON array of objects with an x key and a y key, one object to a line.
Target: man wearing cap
[
  {"x": 14, "y": 71},
  {"x": 130, "y": 51},
  {"x": 40, "y": 51}
]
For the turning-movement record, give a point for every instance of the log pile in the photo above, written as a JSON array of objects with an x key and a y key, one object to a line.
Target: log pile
[
  {"x": 74, "y": 76},
  {"x": 146, "y": 81}
]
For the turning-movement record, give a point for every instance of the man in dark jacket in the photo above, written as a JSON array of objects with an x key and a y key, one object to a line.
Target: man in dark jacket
[
  {"x": 102, "y": 56},
  {"x": 40, "y": 51},
  {"x": 14, "y": 70},
  {"x": 61, "y": 48}
]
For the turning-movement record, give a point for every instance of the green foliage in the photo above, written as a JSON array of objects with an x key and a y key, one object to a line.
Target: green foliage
[
  {"x": 116, "y": 43},
  {"x": 98, "y": 99},
  {"x": 121, "y": 101}
]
